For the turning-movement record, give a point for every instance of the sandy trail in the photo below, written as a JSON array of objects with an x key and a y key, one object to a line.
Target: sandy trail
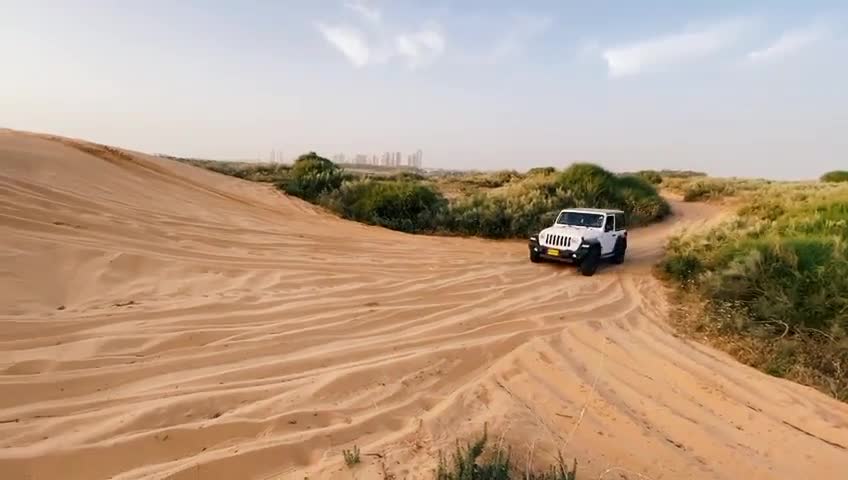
[{"x": 161, "y": 321}]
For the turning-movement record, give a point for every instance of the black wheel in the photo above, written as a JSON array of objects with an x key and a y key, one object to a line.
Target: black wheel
[
  {"x": 620, "y": 249},
  {"x": 535, "y": 257},
  {"x": 589, "y": 265}
]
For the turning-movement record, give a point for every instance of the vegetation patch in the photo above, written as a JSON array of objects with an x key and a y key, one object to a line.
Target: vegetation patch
[
  {"x": 775, "y": 279},
  {"x": 503, "y": 204},
  {"x": 524, "y": 207}
]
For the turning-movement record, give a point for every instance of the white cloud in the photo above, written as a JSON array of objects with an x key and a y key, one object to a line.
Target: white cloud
[
  {"x": 370, "y": 13},
  {"x": 521, "y": 30},
  {"x": 787, "y": 44},
  {"x": 349, "y": 41},
  {"x": 371, "y": 41},
  {"x": 420, "y": 48},
  {"x": 637, "y": 57}
]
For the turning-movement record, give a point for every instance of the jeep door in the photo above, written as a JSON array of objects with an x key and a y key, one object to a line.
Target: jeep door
[{"x": 609, "y": 236}]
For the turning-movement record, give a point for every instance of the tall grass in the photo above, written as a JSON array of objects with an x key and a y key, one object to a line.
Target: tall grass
[{"x": 778, "y": 273}]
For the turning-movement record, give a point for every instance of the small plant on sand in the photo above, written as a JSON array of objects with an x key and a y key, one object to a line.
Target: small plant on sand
[
  {"x": 351, "y": 457},
  {"x": 476, "y": 462}
]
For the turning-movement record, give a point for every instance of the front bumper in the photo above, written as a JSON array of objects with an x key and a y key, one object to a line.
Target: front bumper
[{"x": 557, "y": 254}]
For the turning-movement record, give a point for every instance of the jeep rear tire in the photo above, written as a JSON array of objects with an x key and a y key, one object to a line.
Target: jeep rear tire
[
  {"x": 620, "y": 250},
  {"x": 589, "y": 265}
]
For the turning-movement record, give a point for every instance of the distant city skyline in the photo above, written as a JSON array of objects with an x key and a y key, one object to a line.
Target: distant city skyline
[{"x": 385, "y": 159}]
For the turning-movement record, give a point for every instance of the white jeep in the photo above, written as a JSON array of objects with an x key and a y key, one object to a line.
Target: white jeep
[{"x": 582, "y": 236}]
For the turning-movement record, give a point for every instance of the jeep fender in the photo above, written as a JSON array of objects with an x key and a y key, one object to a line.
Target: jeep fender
[{"x": 592, "y": 242}]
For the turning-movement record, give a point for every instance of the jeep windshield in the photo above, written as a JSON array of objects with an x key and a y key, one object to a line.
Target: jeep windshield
[{"x": 580, "y": 219}]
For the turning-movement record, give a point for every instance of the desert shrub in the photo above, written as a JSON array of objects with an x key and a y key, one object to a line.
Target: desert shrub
[
  {"x": 541, "y": 171},
  {"x": 683, "y": 267},
  {"x": 652, "y": 176},
  {"x": 835, "y": 176},
  {"x": 311, "y": 176},
  {"x": 351, "y": 457},
  {"x": 781, "y": 267},
  {"x": 707, "y": 189},
  {"x": 681, "y": 174},
  {"x": 523, "y": 208},
  {"x": 489, "y": 180},
  {"x": 640, "y": 200},
  {"x": 407, "y": 176},
  {"x": 399, "y": 205},
  {"x": 481, "y": 214},
  {"x": 762, "y": 209}
]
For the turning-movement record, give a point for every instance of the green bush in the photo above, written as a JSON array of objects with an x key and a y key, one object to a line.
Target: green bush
[
  {"x": 399, "y": 205},
  {"x": 482, "y": 215},
  {"x": 311, "y": 176},
  {"x": 835, "y": 176}
]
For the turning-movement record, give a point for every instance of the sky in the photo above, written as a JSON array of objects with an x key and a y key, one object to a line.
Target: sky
[{"x": 733, "y": 88}]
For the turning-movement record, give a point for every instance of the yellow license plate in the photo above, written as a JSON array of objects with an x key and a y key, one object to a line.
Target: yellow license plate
[{"x": 553, "y": 252}]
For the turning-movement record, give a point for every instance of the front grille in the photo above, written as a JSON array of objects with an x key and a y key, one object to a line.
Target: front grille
[{"x": 558, "y": 241}]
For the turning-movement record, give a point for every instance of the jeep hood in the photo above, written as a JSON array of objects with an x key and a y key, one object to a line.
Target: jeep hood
[{"x": 577, "y": 234}]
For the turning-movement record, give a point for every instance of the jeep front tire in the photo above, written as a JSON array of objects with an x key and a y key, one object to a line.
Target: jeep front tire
[
  {"x": 535, "y": 257},
  {"x": 589, "y": 265}
]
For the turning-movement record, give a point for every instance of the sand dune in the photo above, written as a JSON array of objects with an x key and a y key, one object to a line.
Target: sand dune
[{"x": 161, "y": 321}]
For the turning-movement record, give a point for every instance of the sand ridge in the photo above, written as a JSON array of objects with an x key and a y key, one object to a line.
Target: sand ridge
[{"x": 162, "y": 321}]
